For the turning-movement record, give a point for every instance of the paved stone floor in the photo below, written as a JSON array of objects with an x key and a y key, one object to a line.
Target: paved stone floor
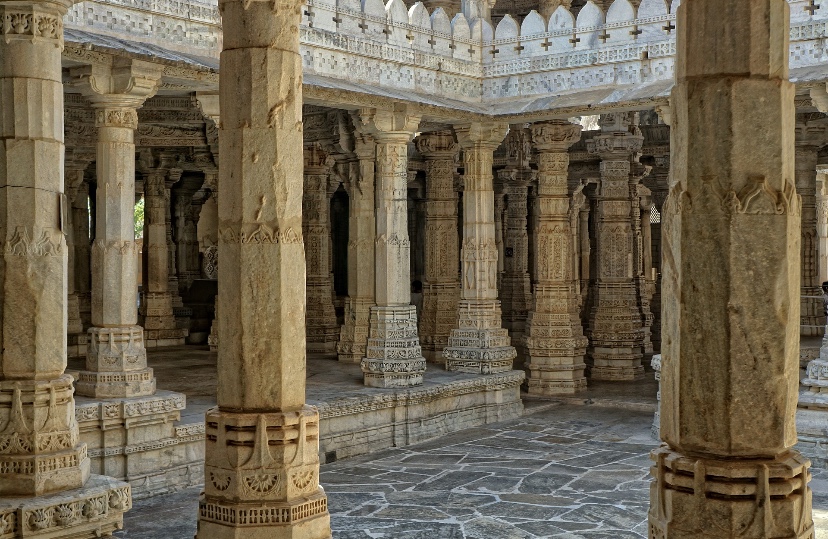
[{"x": 562, "y": 471}]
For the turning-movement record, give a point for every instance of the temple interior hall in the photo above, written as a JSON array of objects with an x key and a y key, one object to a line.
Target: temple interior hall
[{"x": 461, "y": 269}]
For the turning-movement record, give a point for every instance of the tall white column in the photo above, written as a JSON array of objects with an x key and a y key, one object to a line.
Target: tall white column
[
  {"x": 262, "y": 444},
  {"x": 554, "y": 335},
  {"x": 393, "y": 357},
  {"x": 45, "y": 485},
  {"x": 353, "y": 337},
  {"x": 479, "y": 343},
  {"x": 441, "y": 288},
  {"x": 729, "y": 373},
  {"x": 116, "y": 361}
]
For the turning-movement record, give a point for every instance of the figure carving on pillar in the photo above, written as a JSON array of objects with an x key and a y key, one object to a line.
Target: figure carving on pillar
[
  {"x": 116, "y": 361},
  {"x": 617, "y": 331},
  {"x": 479, "y": 343},
  {"x": 731, "y": 226},
  {"x": 554, "y": 335},
  {"x": 441, "y": 288},
  {"x": 394, "y": 357}
]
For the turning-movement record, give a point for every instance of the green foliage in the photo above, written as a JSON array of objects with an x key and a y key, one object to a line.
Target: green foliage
[{"x": 139, "y": 219}]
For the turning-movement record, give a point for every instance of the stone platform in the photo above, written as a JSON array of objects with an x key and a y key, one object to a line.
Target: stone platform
[{"x": 156, "y": 443}]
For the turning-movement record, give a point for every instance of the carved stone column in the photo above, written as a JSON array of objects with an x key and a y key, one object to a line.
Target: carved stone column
[
  {"x": 45, "y": 485},
  {"x": 353, "y": 337},
  {"x": 642, "y": 257},
  {"x": 441, "y": 289},
  {"x": 83, "y": 270},
  {"x": 554, "y": 335},
  {"x": 186, "y": 269},
  {"x": 209, "y": 245},
  {"x": 116, "y": 361},
  {"x": 499, "y": 217},
  {"x": 172, "y": 250},
  {"x": 320, "y": 319},
  {"x": 73, "y": 179},
  {"x": 729, "y": 371},
  {"x": 822, "y": 221},
  {"x": 809, "y": 139},
  {"x": 479, "y": 343},
  {"x": 156, "y": 305},
  {"x": 616, "y": 324},
  {"x": 394, "y": 357},
  {"x": 262, "y": 440}
]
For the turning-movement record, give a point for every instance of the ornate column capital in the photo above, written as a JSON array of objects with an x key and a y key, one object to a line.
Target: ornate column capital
[
  {"x": 208, "y": 102},
  {"x": 555, "y": 136},
  {"x": 481, "y": 134},
  {"x": 813, "y": 135},
  {"x": 317, "y": 160},
  {"x": 38, "y": 21},
  {"x": 398, "y": 125},
  {"x": 117, "y": 89},
  {"x": 437, "y": 145}
]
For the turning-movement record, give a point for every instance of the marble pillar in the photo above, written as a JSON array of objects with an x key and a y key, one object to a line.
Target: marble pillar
[
  {"x": 822, "y": 223},
  {"x": 554, "y": 335},
  {"x": 499, "y": 218},
  {"x": 83, "y": 268},
  {"x": 394, "y": 357},
  {"x": 643, "y": 257},
  {"x": 729, "y": 371},
  {"x": 187, "y": 269},
  {"x": 172, "y": 248},
  {"x": 353, "y": 337},
  {"x": 156, "y": 305},
  {"x": 441, "y": 287},
  {"x": 320, "y": 319},
  {"x": 116, "y": 360},
  {"x": 73, "y": 180},
  {"x": 46, "y": 489},
  {"x": 262, "y": 439},
  {"x": 616, "y": 330},
  {"x": 479, "y": 343},
  {"x": 809, "y": 139}
]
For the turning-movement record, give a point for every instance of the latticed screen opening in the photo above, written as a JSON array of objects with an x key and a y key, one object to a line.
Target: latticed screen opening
[{"x": 655, "y": 215}]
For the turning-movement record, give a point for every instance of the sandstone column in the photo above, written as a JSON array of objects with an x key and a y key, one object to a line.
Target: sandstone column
[
  {"x": 262, "y": 463},
  {"x": 479, "y": 344},
  {"x": 729, "y": 374},
  {"x": 158, "y": 319},
  {"x": 353, "y": 337},
  {"x": 76, "y": 336},
  {"x": 45, "y": 485},
  {"x": 83, "y": 270},
  {"x": 554, "y": 335},
  {"x": 809, "y": 138},
  {"x": 393, "y": 357},
  {"x": 320, "y": 318},
  {"x": 616, "y": 324},
  {"x": 441, "y": 289},
  {"x": 822, "y": 222},
  {"x": 116, "y": 361}
]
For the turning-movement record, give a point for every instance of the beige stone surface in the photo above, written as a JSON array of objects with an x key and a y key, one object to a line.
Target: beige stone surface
[{"x": 732, "y": 212}]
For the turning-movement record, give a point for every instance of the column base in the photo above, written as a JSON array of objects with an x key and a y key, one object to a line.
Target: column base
[
  {"x": 156, "y": 338},
  {"x": 721, "y": 499},
  {"x": 617, "y": 374},
  {"x": 76, "y": 344},
  {"x": 94, "y": 510},
  {"x": 116, "y": 365},
  {"x": 353, "y": 336},
  {"x": 812, "y": 308},
  {"x": 480, "y": 345},
  {"x": 262, "y": 477},
  {"x": 394, "y": 358}
]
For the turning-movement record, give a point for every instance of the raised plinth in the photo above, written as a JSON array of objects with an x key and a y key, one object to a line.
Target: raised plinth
[
  {"x": 94, "y": 510},
  {"x": 722, "y": 499},
  {"x": 479, "y": 345},
  {"x": 394, "y": 358},
  {"x": 116, "y": 364},
  {"x": 262, "y": 477}
]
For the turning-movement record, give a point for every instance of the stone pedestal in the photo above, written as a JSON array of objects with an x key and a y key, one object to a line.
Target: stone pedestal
[
  {"x": 479, "y": 343},
  {"x": 157, "y": 305},
  {"x": 554, "y": 336},
  {"x": 353, "y": 337},
  {"x": 616, "y": 332},
  {"x": 393, "y": 357},
  {"x": 320, "y": 319},
  {"x": 731, "y": 227},
  {"x": 46, "y": 490},
  {"x": 441, "y": 288},
  {"x": 261, "y": 476}
]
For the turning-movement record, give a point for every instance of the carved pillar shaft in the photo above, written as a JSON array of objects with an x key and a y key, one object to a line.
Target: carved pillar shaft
[
  {"x": 479, "y": 343},
  {"x": 822, "y": 224},
  {"x": 616, "y": 322},
  {"x": 353, "y": 339},
  {"x": 554, "y": 335},
  {"x": 262, "y": 439},
  {"x": 441, "y": 289},
  {"x": 394, "y": 357},
  {"x": 320, "y": 318},
  {"x": 729, "y": 371},
  {"x": 515, "y": 286},
  {"x": 73, "y": 175},
  {"x": 812, "y": 311}
]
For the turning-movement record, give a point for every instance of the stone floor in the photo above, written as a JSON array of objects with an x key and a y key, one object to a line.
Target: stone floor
[{"x": 561, "y": 471}]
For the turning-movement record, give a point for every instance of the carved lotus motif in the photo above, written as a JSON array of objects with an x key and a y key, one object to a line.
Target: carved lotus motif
[
  {"x": 221, "y": 483},
  {"x": 303, "y": 480},
  {"x": 262, "y": 483},
  {"x": 65, "y": 514},
  {"x": 40, "y": 519}
]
